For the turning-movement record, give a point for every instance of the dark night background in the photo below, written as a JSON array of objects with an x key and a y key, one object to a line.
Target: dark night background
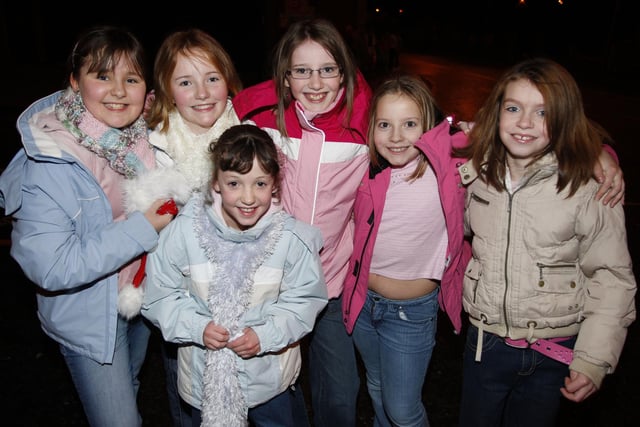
[{"x": 598, "y": 41}]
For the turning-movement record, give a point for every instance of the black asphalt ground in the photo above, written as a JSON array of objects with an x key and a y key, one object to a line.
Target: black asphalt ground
[{"x": 36, "y": 388}]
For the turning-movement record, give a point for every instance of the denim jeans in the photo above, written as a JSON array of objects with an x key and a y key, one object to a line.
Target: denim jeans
[
  {"x": 509, "y": 386},
  {"x": 333, "y": 371},
  {"x": 179, "y": 409},
  {"x": 280, "y": 411},
  {"x": 395, "y": 339},
  {"x": 108, "y": 391}
]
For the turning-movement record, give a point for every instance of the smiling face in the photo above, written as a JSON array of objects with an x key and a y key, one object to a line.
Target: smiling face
[
  {"x": 522, "y": 127},
  {"x": 245, "y": 197},
  {"x": 397, "y": 126},
  {"x": 199, "y": 92},
  {"x": 116, "y": 97},
  {"x": 316, "y": 94}
]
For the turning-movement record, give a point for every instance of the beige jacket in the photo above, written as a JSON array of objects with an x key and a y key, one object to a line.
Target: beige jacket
[{"x": 545, "y": 266}]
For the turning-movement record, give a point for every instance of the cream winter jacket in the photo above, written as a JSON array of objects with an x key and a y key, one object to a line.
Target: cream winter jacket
[{"x": 546, "y": 265}]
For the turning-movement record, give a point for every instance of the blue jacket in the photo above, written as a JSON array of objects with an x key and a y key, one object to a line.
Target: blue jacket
[
  {"x": 64, "y": 236},
  {"x": 288, "y": 292}
]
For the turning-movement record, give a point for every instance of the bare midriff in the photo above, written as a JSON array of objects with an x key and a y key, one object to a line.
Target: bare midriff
[{"x": 401, "y": 289}]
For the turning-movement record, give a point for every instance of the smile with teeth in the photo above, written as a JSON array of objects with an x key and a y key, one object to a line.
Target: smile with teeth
[
  {"x": 397, "y": 149},
  {"x": 115, "y": 106},
  {"x": 316, "y": 97},
  {"x": 202, "y": 107},
  {"x": 247, "y": 211},
  {"x": 523, "y": 138}
]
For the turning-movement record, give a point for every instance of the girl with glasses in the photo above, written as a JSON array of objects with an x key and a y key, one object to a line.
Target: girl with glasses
[{"x": 315, "y": 107}]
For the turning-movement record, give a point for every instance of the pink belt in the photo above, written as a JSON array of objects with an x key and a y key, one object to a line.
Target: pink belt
[{"x": 549, "y": 348}]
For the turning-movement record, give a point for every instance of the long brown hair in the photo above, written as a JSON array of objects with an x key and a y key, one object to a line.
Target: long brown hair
[
  {"x": 574, "y": 139},
  {"x": 327, "y": 35}
]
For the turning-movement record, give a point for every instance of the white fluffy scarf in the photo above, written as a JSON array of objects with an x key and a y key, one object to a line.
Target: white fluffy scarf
[
  {"x": 236, "y": 262},
  {"x": 190, "y": 151}
]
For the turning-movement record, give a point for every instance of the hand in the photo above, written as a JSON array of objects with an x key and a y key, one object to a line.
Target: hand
[
  {"x": 158, "y": 220},
  {"x": 465, "y": 126},
  {"x": 247, "y": 345},
  {"x": 608, "y": 173},
  {"x": 215, "y": 336},
  {"x": 577, "y": 387}
]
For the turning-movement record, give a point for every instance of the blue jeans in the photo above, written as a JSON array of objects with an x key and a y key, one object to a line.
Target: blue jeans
[
  {"x": 179, "y": 409},
  {"x": 509, "y": 386},
  {"x": 395, "y": 339},
  {"x": 333, "y": 371},
  {"x": 280, "y": 411},
  {"x": 108, "y": 391}
]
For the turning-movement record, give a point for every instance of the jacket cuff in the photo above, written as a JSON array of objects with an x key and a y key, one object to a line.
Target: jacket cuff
[{"x": 594, "y": 372}]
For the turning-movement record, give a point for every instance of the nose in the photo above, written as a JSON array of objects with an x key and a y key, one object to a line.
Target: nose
[
  {"x": 315, "y": 81},
  {"x": 247, "y": 197},
  {"x": 396, "y": 134},
  {"x": 524, "y": 121},
  {"x": 118, "y": 89},
  {"x": 201, "y": 92}
]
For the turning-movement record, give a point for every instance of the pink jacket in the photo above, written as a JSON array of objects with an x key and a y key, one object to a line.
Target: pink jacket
[
  {"x": 436, "y": 145},
  {"x": 323, "y": 164}
]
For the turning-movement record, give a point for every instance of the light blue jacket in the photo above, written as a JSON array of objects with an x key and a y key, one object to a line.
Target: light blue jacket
[
  {"x": 64, "y": 236},
  {"x": 287, "y": 294}
]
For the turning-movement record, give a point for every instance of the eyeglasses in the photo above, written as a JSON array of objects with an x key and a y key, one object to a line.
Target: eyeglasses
[{"x": 305, "y": 73}]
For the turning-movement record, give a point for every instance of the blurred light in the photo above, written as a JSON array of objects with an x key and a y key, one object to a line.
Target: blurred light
[
  {"x": 400, "y": 11},
  {"x": 377, "y": 10}
]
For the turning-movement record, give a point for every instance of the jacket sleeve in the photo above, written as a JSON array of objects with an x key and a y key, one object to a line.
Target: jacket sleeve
[
  {"x": 168, "y": 301},
  {"x": 610, "y": 289},
  {"x": 67, "y": 226},
  {"x": 255, "y": 99},
  {"x": 303, "y": 293}
]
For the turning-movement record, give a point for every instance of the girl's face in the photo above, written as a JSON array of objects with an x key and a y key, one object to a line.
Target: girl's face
[
  {"x": 316, "y": 94},
  {"x": 522, "y": 128},
  {"x": 245, "y": 197},
  {"x": 199, "y": 92},
  {"x": 397, "y": 126},
  {"x": 115, "y": 98}
]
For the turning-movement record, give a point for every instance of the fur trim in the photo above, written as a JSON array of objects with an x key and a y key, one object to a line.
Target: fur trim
[
  {"x": 159, "y": 183},
  {"x": 130, "y": 300}
]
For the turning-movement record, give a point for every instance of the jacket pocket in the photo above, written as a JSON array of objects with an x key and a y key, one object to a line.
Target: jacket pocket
[{"x": 557, "y": 278}]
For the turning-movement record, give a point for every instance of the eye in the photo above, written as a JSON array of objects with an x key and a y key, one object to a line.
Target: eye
[
  {"x": 301, "y": 71},
  {"x": 232, "y": 184},
  {"x": 540, "y": 113},
  {"x": 383, "y": 125},
  {"x": 133, "y": 80},
  {"x": 102, "y": 77},
  {"x": 411, "y": 123},
  {"x": 214, "y": 79},
  {"x": 184, "y": 83},
  {"x": 512, "y": 108}
]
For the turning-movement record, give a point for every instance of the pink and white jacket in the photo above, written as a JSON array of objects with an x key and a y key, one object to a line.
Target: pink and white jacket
[
  {"x": 436, "y": 144},
  {"x": 323, "y": 164}
]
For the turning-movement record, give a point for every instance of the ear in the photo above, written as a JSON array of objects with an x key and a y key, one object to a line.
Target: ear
[
  {"x": 74, "y": 83},
  {"x": 216, "y": 187}
]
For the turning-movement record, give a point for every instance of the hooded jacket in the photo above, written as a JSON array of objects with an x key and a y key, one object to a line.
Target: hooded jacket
[
  {"x": 287, "y": 294},
  {"x": 323, "y": 164},
  {"x": 436, "y": 144},
  {"x": 74, "y": 252},
  {"x": 546, "y": 265}
]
